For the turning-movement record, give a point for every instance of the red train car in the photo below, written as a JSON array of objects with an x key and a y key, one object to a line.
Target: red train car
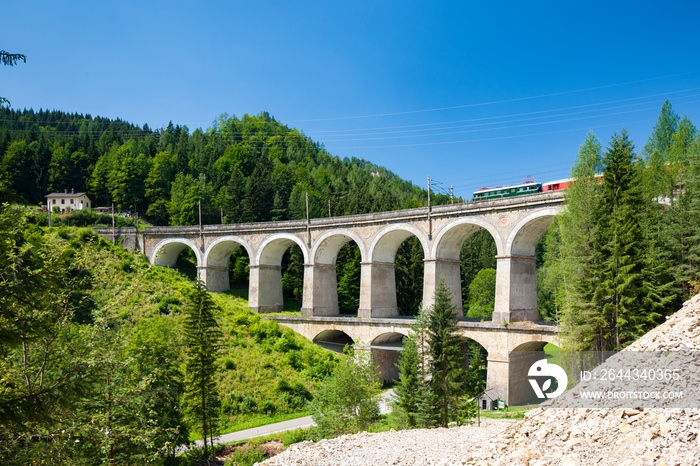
[{"x": 564, "y": 184}]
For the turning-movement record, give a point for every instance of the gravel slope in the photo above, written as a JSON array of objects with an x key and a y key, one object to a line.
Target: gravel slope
[{"x": 408, "y": 447}]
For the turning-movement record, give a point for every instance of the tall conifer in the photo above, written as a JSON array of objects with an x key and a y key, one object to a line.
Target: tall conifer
[
  {"x": 619, "y": 244},
  {"x": 446, "y": 368},
  {"x": 580, "y": 317},
  {"x": 202, "y": 340}
]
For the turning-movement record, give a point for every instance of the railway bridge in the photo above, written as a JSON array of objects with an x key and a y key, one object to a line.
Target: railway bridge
[{"x": 516, "y": 224}]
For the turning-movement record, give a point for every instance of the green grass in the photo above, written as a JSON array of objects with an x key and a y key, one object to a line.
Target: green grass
[
  {"x": 510, "y": 412},
  {"x": 266, "y": 372}
]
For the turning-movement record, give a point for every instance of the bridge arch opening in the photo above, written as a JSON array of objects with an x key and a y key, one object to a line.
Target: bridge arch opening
[
  {"x": 394, "y": 273},
  {"x": 385, "y": 355},
  {"x": 336, "y": 275},
  {"x": 334, "y": 340},
  {"x": 521, "y": 276},
  {"x": 179, "y": 254},
  {"x": 465, "y": 257},
  {"x": 520, "y": 360},
  {"x": 278, "y": 273},
  {"x": 474, "y": 362},
  {"x": 227, "y": 262}
]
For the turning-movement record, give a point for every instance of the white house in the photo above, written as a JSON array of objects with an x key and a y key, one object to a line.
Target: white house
[{"x": 67, "y": 201}]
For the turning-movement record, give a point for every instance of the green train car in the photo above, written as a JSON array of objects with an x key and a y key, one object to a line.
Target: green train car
[{"x": 499, "y": 192}]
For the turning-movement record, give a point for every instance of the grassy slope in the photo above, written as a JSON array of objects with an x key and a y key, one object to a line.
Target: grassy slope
[{"x": 266, "y": 372}]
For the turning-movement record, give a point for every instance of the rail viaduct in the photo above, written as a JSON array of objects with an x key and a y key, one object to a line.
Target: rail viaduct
[{"x": 513, "y": 338}]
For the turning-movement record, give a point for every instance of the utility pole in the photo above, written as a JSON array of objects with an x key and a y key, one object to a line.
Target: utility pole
[
  {"x": 308, "y": 230},
  {"x": 48, "y": 209},
  {"x": 452, "y": 194},
  {"x": 114, "y": 234},
  {"x": 430, "y": 220},
  {"x": 329, "y": 208},
  {"x": 222, "y": 215},
  {"x": 201, "y": 235}
]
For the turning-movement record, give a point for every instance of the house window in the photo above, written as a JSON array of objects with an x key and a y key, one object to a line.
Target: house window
[
  {"x": 71, "y": 201},
  {"x": 63, "y": 201},
  {"x": 54, "y": 201}
]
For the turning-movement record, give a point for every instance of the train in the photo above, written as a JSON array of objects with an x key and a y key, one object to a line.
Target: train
[{"x": 527, "y": 186}]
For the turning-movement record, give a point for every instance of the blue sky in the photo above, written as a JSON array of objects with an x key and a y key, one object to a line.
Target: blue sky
[{"x": 471, "y": 93}]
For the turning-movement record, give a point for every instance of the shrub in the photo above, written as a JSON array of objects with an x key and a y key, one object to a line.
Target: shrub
[{"x": 247, "y": 455}]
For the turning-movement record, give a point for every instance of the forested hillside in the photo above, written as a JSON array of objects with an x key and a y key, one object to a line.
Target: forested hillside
[
  {"x": 93, "y": 347},
  {"x": 253, "y": 168}
]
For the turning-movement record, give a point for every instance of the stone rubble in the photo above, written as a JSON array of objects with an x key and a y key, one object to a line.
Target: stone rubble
[{"x": 548, "y": 435}]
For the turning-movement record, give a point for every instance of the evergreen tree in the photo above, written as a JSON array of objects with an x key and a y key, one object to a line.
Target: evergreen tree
[
  {"x": 234, "y": 198},
  {"x": 446, "y": 370},
  {"x": 408, "y": 386},
  {"x": 413, "y": 390},
  {"x": 661, "y": 138},
  {"x": 202, "y": 336},
  {"x": 684, "y": 225},
  {"x": 580, "y": 318},
  {"x": 619, "y": 244}
]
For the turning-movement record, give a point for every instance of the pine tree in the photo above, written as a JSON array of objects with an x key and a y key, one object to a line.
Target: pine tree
[
  {"x": 202, "y": 337},
  {"x": 684, "y": 224},
  {"x": 408, "y": 385},
  {"x": 619, "y": 244},
  {"x": 580, "y": 318},
  {"x": 661, "y": 138},
  {"x": 444, "y": 349},
  {"x": 234, "y": 198}
]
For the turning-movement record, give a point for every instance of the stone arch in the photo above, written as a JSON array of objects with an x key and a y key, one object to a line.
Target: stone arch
[
  {"x": 516, "y": 274},
  {"x": 523, "y": 239},
  {"x": 215, "y": 272},
  {"x": 444, "y": 264},
  {"x": 265, "y": 291},
  {"x": 320, "y": 282},
  {"x": 166, "y": 252},
  {"x": 326, "y": 247},
  {"x": 333, "y": 340},
  {"x": 483, "y": 340},
  {"x": 378, "y": 287},
  {"x": 388, "y": 240},
  {"x": 520, "y": 359},
  {"x": 219, "y": 250},
  {"x": 448, "y": 242},
  {"x": 385, "y": 354},
  {"x": 274, "y": 246}
]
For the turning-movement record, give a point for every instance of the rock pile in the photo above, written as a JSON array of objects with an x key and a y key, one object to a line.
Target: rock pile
[
  {"x": 406, "y": 447},
  {"x": 553, "y": 435}
]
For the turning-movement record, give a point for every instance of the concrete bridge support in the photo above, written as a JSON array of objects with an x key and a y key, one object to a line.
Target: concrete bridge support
[
  {"x": 265, "y": 289},
  {"x": 320, "y": 290},
  {"x": 214, "y": 278},
  {"x": 516, "y": 289},
  {"x": 449, "y": 271},
  {"x": 377, "y": 290}
]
